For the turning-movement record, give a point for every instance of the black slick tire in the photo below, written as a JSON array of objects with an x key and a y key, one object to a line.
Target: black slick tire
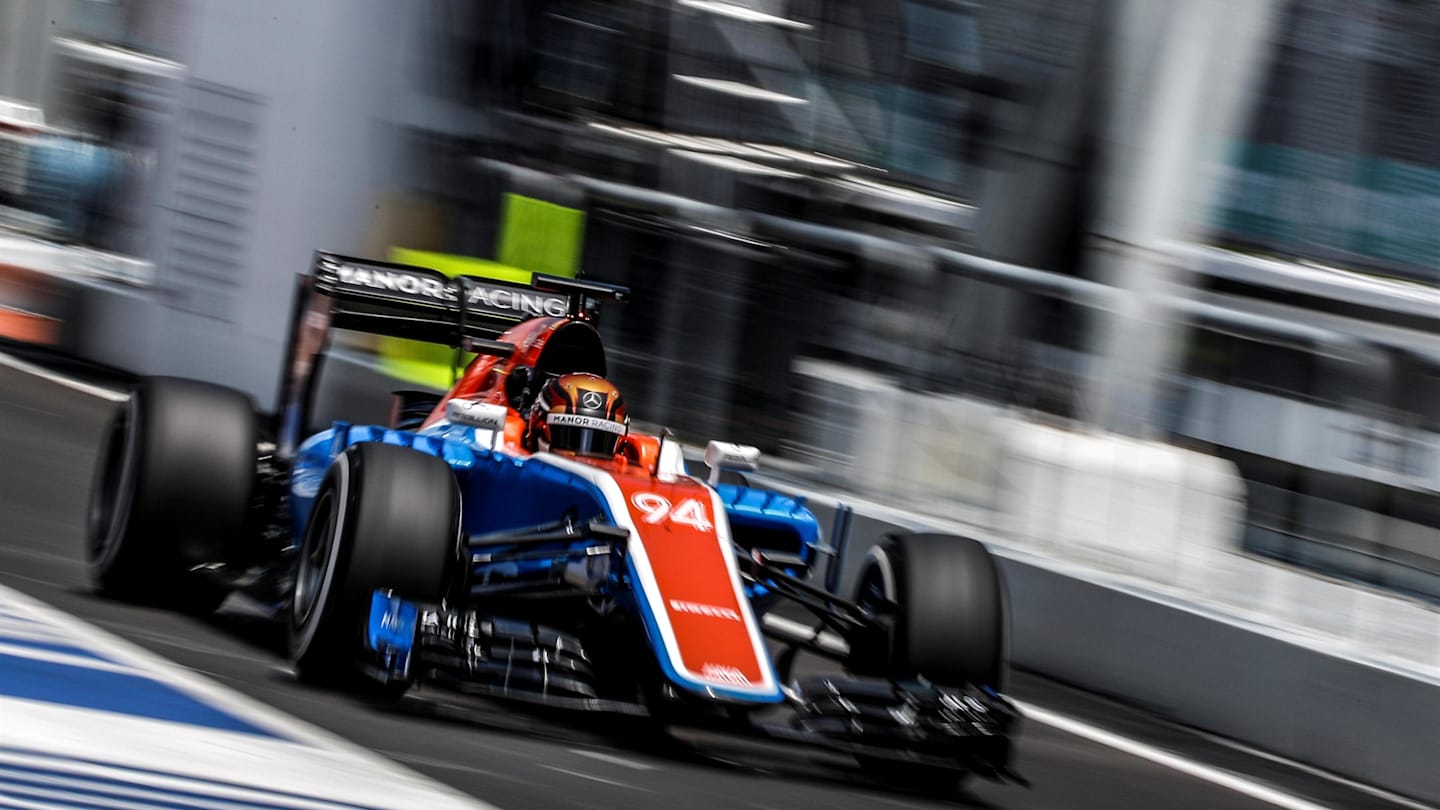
[
  {"x": 941, "y": 604},
  {"x": 384, "y": 517},
  {"x": 171, "y": 493},
  {"x": 948, "y": 603}
]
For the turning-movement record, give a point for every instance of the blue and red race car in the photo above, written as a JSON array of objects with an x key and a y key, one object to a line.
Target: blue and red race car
[{"x": 516, "y": 538}]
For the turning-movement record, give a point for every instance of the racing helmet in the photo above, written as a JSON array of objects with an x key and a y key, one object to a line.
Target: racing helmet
[{"x": 578, "y": 413}]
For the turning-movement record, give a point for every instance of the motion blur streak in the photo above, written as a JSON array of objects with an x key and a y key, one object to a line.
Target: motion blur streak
[
  {"x": 169, "y": 736},
  {"x": 61, "y": 379},
  {"x": 496, "y": 753},
  {"x": 1144, "y": 291},
  {"x": 1168, "y": 759}
]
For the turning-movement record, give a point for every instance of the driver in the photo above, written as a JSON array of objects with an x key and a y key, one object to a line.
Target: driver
[{"x": 578, "y": 413}]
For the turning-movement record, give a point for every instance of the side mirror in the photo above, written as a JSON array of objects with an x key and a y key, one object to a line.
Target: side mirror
[
  {"x": 726, "y": 456},
  {"x": 670, "y": 461},
  {"x": 518, "y": 387}
]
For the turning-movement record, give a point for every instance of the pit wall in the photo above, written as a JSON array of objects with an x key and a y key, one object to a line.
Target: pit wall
[{"x": 1125, "y": 576}]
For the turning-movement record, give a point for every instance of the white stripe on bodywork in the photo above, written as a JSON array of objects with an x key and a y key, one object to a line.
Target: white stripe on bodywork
[{"x": 650, "y": 587}]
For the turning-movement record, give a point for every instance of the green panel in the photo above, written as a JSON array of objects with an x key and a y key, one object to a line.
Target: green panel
[
  {"x": 541, "y": 237},
  {"x": 453, "y": 265},
  {"x": 535, "y": 237},
  {"x": 426, "y": 364}
]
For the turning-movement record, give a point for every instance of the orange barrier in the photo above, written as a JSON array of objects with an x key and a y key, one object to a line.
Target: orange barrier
[
  {"x": 27, "y": 327},
  {"x": 22, "y": 292}
]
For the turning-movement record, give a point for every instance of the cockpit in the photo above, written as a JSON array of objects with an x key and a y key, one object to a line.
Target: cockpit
[{"x": 573, "y": 347}]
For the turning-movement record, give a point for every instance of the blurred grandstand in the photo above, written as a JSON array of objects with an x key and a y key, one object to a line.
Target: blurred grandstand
[{"x": 807, "y": 196}]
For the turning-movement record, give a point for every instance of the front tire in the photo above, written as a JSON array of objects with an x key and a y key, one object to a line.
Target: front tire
[
  {"x": 939, "y": 605},
  {"x": 171, "y": 492},
  {"x": 385, "y": 517},
  {"x": 945, "y": 605}
]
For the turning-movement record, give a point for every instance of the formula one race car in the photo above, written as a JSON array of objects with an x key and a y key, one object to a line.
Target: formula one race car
[{"x": 515, "y": 538}]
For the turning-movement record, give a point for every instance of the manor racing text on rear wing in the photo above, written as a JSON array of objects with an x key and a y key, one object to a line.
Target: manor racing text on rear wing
[{"x": 396, "y": 300}]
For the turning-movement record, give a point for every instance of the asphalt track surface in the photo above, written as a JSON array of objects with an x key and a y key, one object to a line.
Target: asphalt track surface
[{"x": 516, "y": 759}]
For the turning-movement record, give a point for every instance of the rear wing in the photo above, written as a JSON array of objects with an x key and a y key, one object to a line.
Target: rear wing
[
  {"x": 396, "y": 300},
  {"x": 384, "y": 298}
]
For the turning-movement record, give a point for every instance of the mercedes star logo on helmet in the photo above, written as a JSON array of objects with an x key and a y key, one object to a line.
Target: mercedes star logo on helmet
[{"x": 592, "y": 399}]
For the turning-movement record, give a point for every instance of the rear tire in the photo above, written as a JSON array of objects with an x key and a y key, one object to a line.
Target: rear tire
[
  {"x": 385, "y": 517},
  {"x": 948, "y": 625},
  {"x": 171, "y": 493}
]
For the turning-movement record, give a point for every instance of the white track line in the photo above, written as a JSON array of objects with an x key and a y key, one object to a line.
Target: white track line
[
  {"x": 602, "y": 780},
  {"x": 18, "y": 804},
  {"x": 20, "y": 630},
  {"x": 43, "y": 787},
  {"x": 69, "y": 660},
  {"x": 60, "y": 379},
  {"x": 1215, "y": 776},
  {"x": 612, "y": 759},
  {"x": 122, "y": 780},
  {"x": 408, "y": 786},
  {"x": 1310, "y": 770}
]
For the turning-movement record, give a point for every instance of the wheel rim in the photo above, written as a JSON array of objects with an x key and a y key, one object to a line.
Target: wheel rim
[
  {"x": 110, "y": 500},
  {"x": 876, "y": 585},
  {"x": 869, "y": 591},
  {"x": 315, "y": 556}
]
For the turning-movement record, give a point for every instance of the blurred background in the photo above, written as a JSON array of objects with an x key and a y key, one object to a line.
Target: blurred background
[{"x": 865, "y": 236}]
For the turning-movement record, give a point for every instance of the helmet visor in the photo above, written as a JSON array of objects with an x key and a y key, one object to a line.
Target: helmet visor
[{"x": 586, "y": 435}]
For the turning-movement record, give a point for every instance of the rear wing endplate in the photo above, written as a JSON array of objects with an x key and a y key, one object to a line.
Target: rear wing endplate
[{"x": 397, "y": 300}]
